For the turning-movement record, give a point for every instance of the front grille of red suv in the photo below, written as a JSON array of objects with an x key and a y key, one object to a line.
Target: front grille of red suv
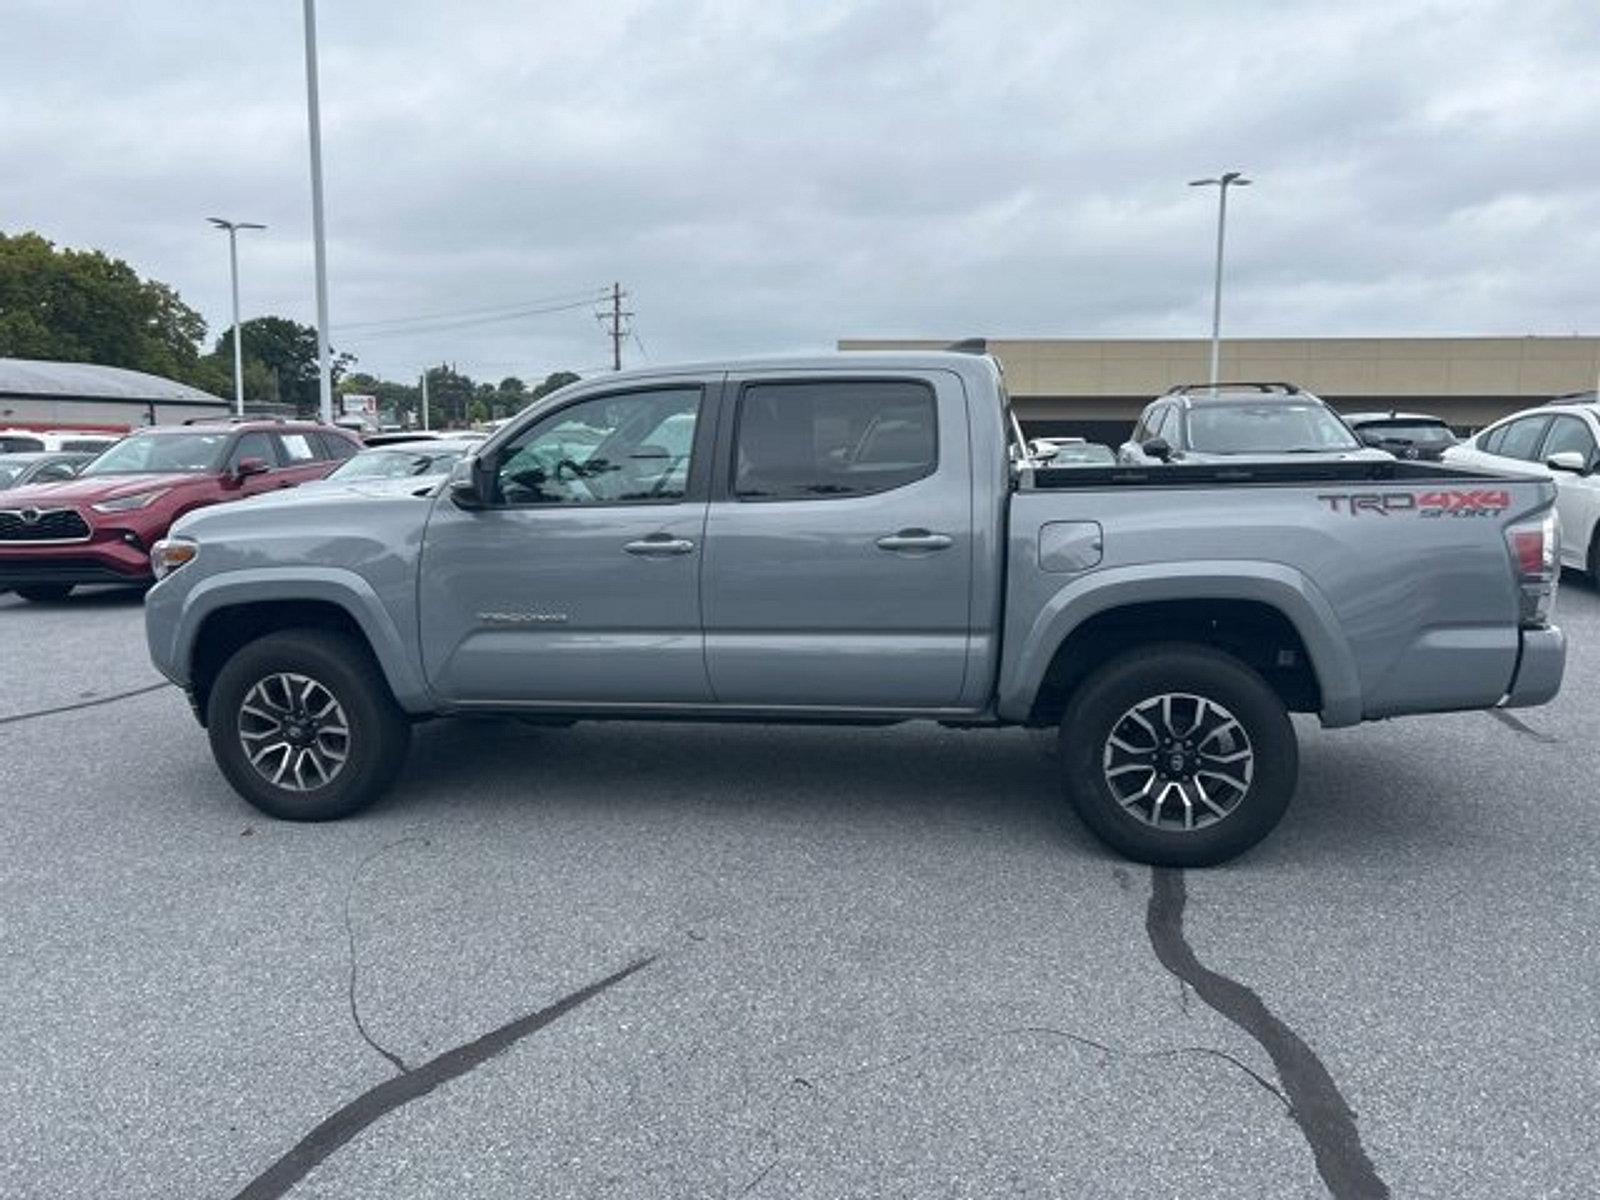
[{"x": 42, "y": 525}]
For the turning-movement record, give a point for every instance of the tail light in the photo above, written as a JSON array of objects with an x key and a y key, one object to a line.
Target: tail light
[{"x": 1534, "y": 545}]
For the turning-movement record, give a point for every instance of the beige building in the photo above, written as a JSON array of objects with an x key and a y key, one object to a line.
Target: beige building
[{"x": 1095, "y": 387}]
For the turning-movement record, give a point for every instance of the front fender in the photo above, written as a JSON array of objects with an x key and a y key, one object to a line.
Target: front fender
[
  {"x": 173, "y": 653},
  {"x": 1028, "y": 652}
]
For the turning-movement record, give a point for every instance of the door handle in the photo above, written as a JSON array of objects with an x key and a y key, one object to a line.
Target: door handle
[
  {"x": 916, "y": 539},
  {"x": 659, "y": 545}
]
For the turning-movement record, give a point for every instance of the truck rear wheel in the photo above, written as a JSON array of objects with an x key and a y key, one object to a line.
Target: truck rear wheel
[
  {"x": 1178, "y": 755},
  {"x": 303, "y": 725}
]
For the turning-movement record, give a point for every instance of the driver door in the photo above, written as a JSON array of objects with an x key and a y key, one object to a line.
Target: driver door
[{"x": 579, "y": 584}]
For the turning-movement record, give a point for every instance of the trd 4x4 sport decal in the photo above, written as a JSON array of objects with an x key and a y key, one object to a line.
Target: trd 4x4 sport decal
[{"x": 1479, "y": 502}]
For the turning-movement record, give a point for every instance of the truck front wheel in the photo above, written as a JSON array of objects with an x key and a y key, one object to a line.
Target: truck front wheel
[
  {"x": 303, "y": 725},
  {"x": 1178, "y": 755}
]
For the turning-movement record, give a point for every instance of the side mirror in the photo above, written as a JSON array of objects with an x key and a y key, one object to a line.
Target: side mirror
[
  {"x": 247, "y": 467},
  {"x": 1158, "y": 448},
  {"x": 1568, "y": 460},
  {"x": 472, "y": 482}
]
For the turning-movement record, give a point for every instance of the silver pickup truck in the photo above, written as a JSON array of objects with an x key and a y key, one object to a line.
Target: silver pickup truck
[{"x": 860, "y": 538}]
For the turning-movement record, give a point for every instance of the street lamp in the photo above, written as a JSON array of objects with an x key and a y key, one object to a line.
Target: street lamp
[
  {"x": 1231, "y": 179},
  {"x": 233, "y": 228}
]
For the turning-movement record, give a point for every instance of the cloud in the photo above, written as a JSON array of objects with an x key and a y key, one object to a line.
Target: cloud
[{"x": 778, "y": 175}]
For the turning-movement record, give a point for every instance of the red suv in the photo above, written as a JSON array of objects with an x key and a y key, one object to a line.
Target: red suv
[{"x": 99, "y": 526}]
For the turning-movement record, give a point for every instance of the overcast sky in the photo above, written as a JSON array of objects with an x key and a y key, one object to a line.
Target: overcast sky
[{"x": 776, "y": 174}]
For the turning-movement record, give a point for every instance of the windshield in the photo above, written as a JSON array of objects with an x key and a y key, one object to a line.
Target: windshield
[
  {"x": 11, "y": 471},
  {"x": 151, "y": 452},
  {"x": 1276, "y": 428},
  {"x": 399, "y": 463}
]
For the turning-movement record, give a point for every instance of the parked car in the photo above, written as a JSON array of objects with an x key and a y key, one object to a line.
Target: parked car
[
  {"x": 17, "y": 470},
  {"x": 402, "y": 466},
  {"x": 1226, "y": 421},
  {"x": 1402, "y": 434},
  {"x": 1068, "y": 451},
  {"x": 22, "y": 441},
  {"x": 801, "y": 567},
  {"x": 99, "y": 527},
  {"x": 1558, "y": 439}
]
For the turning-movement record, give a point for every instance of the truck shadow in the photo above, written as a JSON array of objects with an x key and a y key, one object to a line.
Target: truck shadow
[{"x": 1360, "y": 797}]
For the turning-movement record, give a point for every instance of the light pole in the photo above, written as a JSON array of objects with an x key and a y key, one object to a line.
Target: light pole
[
  {"x": 1231, "y": 179},
  {"x": 233, "y": 228},
  {"x": 319, "y": 243}
]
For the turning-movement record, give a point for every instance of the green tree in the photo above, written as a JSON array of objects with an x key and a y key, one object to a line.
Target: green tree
[
  {"x": 288, "y": 351},
  {"x": 553, "y": 382},
  {"x": 84, "y": 306}
]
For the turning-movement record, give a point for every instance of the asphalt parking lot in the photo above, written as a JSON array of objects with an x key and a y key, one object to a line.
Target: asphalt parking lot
[{"x": 866, "y": 962}]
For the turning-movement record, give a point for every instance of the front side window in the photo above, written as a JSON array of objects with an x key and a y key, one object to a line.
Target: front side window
[
  {"x": 807, "y": 441},
  {"x": 12, "y": 443},
  {"x": 625, "y": 448},
  {"x": 1521, "y": 439},
  {"x": 184, "y": 452},
  {"x": 1569, "y": 434},
  {"x": 1277, "y": 427},
  {"x": 252, "y": 445}
]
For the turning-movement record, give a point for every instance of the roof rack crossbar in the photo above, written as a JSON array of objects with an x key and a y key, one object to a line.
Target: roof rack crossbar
[{"x": 1288, "y": 389}]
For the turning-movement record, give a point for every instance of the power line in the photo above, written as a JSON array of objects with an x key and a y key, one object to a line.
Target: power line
[
  {"x": 443, "y": 326},
  {"x": 574, "y": 298}
]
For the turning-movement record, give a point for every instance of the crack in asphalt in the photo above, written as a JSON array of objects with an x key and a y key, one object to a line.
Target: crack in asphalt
[
  {"x": 350, "y": 935},
  {"x": 378, "y": 1101},
  {"x": 810, "y": 1082},
  {"x": 1314, "y": 1101},
  {"x": 90, "y": 703},
  {"x": 1520, "y": 726},
  {"x": 1049, "y": 1031}
]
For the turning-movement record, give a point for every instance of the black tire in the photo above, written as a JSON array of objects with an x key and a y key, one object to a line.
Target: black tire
[
  {"x": 45, "y": 593},
  {"x": 1593, "y": 562},
  {"x": 1138, "y": 824},
  {"x": 378, "y": 731}
]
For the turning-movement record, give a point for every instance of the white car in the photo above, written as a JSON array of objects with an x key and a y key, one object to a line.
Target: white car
[{"x": 1560, "y": 439}]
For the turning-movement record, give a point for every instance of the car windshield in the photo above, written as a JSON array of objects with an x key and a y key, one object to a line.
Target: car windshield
[
  {"x": 400, "y": 462},
  {"x": 151, "y": 452},
  {"x": 1276, "y": 428},
  {"x": 11, "y": 470}
]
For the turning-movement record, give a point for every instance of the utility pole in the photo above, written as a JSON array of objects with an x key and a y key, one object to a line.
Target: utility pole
[
  {"x": 425, "y": 424},
  {"x": 617, "y": 331},
  {"x": 1222, "y": 184}
]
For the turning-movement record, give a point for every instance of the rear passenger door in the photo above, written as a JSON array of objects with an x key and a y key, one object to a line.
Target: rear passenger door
[{"x": 839, "y": 543}]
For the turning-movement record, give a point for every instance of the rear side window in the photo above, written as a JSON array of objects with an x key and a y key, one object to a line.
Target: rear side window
[
  {"x": 336, "y": 447},
  {"x": 296, "y": 449},
  {"x": 1521, "y": 438},
  {"x": 810, "y": 441}
]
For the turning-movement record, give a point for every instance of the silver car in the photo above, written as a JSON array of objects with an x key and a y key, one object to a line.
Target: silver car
[{"x": 1224, "y": 421}]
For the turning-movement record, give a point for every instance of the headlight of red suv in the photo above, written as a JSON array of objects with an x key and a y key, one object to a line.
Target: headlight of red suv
[{"x": 129, "y": 503}]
